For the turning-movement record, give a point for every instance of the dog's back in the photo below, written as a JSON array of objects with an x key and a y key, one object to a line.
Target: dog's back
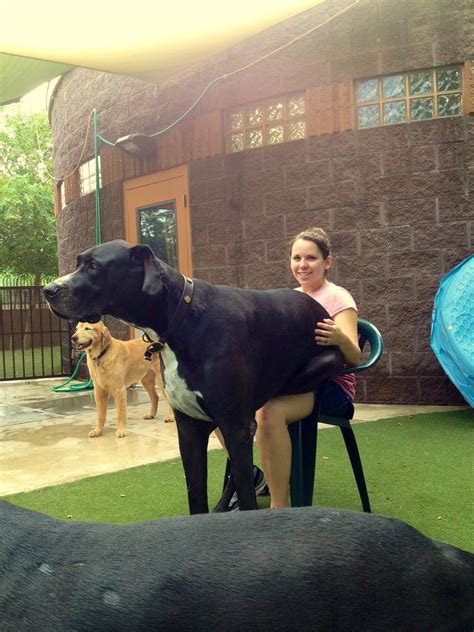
[{"x": 296, "y": 569}]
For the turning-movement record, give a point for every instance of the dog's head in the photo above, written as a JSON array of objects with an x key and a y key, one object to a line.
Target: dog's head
[
  {"x": 108, "y": 279},
  {"x": 93, "y": 336}
]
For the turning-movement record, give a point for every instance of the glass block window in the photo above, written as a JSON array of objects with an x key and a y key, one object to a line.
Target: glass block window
[
  {"x": 87, "y": 177},
  {"x": 62, "y": 195},
  {"x": 411, "y": 96},
  {"x": 269, "y": 122}
]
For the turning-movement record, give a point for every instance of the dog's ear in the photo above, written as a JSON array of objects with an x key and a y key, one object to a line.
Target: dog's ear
[
  {"x": 143, "y": 257},
  {"x": 105, "y": 333}
]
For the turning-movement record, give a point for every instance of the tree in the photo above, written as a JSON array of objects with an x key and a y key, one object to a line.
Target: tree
[{"x": 27, "y": 222}]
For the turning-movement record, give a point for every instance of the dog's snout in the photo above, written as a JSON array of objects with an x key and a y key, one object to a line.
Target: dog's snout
[
  {"x": 74, "y": 338},
  {"x": 51, "y": 290}
]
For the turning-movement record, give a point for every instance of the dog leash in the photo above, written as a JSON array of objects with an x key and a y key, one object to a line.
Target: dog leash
[{"x": 177, "y": 318}]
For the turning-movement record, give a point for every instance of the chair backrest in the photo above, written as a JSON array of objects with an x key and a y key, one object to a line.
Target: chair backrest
[{"x": 367, "y": 333}]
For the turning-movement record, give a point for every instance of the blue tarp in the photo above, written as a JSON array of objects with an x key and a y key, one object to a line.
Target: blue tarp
[{"x": 452, "y": 327}]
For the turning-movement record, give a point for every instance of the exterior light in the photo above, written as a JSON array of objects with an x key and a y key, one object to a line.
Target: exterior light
[{"x": 136, "y": 144}]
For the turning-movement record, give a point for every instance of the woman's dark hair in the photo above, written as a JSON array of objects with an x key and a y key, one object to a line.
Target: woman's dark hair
[{"x": 316, "y": 235}]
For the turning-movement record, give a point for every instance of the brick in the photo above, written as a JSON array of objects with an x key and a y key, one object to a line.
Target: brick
[
  {"x": 408, "y": 57},
  {"x": 208, "y": 256},
  {"x": 305, "y": 174},
  {"x": 381, "y": 240},
  {"x": 242, "y": 252},
  {"x": 437, "y": 183},
  {"x": 367, "y": 266},
  {"x": 243, "y": 162},
  {"x": 452, "y": 156},
  {"x": 208, "y": 212},
  {"x": 285, "y": 202},
  {"x": 330, "y": 195},
  {"x": 439, "y": 391},
  {"x": 434, "y": 28},
  {"x": 297, "y": 222},
  {"x": 447, "y": 234},
  {"x": 454, "y": 256},
  {"x": 224, "y": 233},
  {"x": 409, "y": 313},
  {"x": 422, "y": 158},
  {"x": 395, "y": 161},
  {"x": 278, "y": 250},
  {"x": 416, "y": 263},
  {"x": 267, "y": 276},
  {"x": 411, "y": 211},
  {"x": 245, "y": 205},
  {"x": 206, "y": 168},
  {"x": 265, "y": 228},
  {"x": 396, "y": 390},
  {"x": 410, "y": 364},
  {"x": 262, "y": 182},
  {"x": 385, "y": 188},
  {"x": 426, "y": 286},
  {"x": 276, "y": 156},
  {"x": 456, "y": 208},
  {"x": 225, "y": 187},
  {"x": 446, "y": 130},
  {"x": 344, "y": 242},
  {"x": 233, "y": 276},
  {"x": 392, "y": 290},
  {"x": 200, "y": 236},
  {"x": 358, "y": 216},
  {"x": 380, "y": 138},
  {"x": 319, "y": 147}
]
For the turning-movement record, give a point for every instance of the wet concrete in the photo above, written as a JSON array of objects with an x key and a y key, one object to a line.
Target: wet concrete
[{"x": 44, "y": 434}]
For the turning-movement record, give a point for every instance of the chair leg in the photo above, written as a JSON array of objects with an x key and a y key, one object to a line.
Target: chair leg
[
  {"x": 228, "y": 470},
  {"x": 303, "y": 436},
  {"x": 354, "y": 456}
]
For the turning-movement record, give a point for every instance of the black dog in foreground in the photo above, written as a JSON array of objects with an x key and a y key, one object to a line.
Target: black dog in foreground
[
  {"x": 301, "y": 569},
  {"x": 224, "y": 351}
]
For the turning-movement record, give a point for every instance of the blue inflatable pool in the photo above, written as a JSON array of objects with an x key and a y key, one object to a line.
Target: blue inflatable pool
[{"x": 452, "y": 327}]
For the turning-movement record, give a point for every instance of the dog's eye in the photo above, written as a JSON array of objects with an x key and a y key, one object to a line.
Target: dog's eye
[{"x": 92, "y": 266}]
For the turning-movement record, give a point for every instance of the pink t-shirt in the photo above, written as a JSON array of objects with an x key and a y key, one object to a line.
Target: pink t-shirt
[{"x": 336, "y": 299}]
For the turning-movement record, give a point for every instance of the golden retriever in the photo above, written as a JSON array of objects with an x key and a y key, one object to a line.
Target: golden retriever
[{"x": 113, "y": 366}]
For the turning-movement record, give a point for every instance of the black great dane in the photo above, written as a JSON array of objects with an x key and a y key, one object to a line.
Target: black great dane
[
  {"x": 285, "y": 570},
  {"x": 224, "y": 351}
]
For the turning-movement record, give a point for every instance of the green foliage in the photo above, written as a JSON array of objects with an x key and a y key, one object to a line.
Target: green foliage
[{"x": 28, "y": 227}]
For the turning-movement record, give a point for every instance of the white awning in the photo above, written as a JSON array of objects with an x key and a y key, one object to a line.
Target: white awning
[{"x": 145, "y": 39}]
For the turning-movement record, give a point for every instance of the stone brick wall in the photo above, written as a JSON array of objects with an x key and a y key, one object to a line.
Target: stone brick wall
[
  {"x": 397, "y": 201},
  {"x": 398, "y": 223}
]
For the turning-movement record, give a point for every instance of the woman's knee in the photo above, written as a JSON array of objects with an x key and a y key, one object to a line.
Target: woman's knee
[{"x": 271, "y": 413}]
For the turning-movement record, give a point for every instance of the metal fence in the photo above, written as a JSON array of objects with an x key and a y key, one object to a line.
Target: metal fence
[{"x": 34, "y": 343}]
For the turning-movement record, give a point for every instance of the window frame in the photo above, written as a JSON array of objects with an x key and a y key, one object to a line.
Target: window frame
[
  {"x": 266, "y": 124},
  {"x": 89, "y": 178},
  {"x": 408, "y": 98}
]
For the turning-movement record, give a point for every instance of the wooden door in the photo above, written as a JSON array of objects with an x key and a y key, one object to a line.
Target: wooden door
[{"x": 157, "y": 214}]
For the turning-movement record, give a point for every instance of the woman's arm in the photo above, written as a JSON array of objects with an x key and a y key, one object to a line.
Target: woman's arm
[{"x": 342, "y": 332}]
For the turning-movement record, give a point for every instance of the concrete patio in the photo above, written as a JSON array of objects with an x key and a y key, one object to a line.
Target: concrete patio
[{"x": 44, "y": 434}]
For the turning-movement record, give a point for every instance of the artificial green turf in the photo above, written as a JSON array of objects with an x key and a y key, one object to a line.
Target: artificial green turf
[{"x": 417, "y": 468}]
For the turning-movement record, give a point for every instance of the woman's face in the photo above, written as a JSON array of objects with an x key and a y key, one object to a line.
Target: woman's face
[{"x": 308, "y": 264}]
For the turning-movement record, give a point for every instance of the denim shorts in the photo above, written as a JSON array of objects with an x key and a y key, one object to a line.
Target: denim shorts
[{"x": 334, "y": 401}]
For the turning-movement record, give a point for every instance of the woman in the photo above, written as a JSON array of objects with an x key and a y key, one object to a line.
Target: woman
[{"x": 310, "y": 260}]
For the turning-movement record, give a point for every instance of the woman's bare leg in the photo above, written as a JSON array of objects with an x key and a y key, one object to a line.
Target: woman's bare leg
[{"x": 274, "y": 441}]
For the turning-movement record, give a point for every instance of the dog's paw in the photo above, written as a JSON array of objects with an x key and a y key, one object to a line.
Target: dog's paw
[
  {"x": 148, "y": 416},
  {"x": 95, "y": 433},
  {"x": 120, "y": 434},
  {"x": 169, "y": 419}
]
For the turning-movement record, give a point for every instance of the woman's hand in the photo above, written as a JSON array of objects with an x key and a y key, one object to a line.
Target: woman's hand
[{"x": 329, "y": 333}]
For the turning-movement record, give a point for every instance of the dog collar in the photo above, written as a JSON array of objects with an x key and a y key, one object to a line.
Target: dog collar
[
  {"x": 103, "y": 352},
  {"x": 177, "y": 318}
]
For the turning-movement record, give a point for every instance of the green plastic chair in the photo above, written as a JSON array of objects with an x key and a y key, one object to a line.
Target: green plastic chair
[{"x": 304, "y": 433}]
